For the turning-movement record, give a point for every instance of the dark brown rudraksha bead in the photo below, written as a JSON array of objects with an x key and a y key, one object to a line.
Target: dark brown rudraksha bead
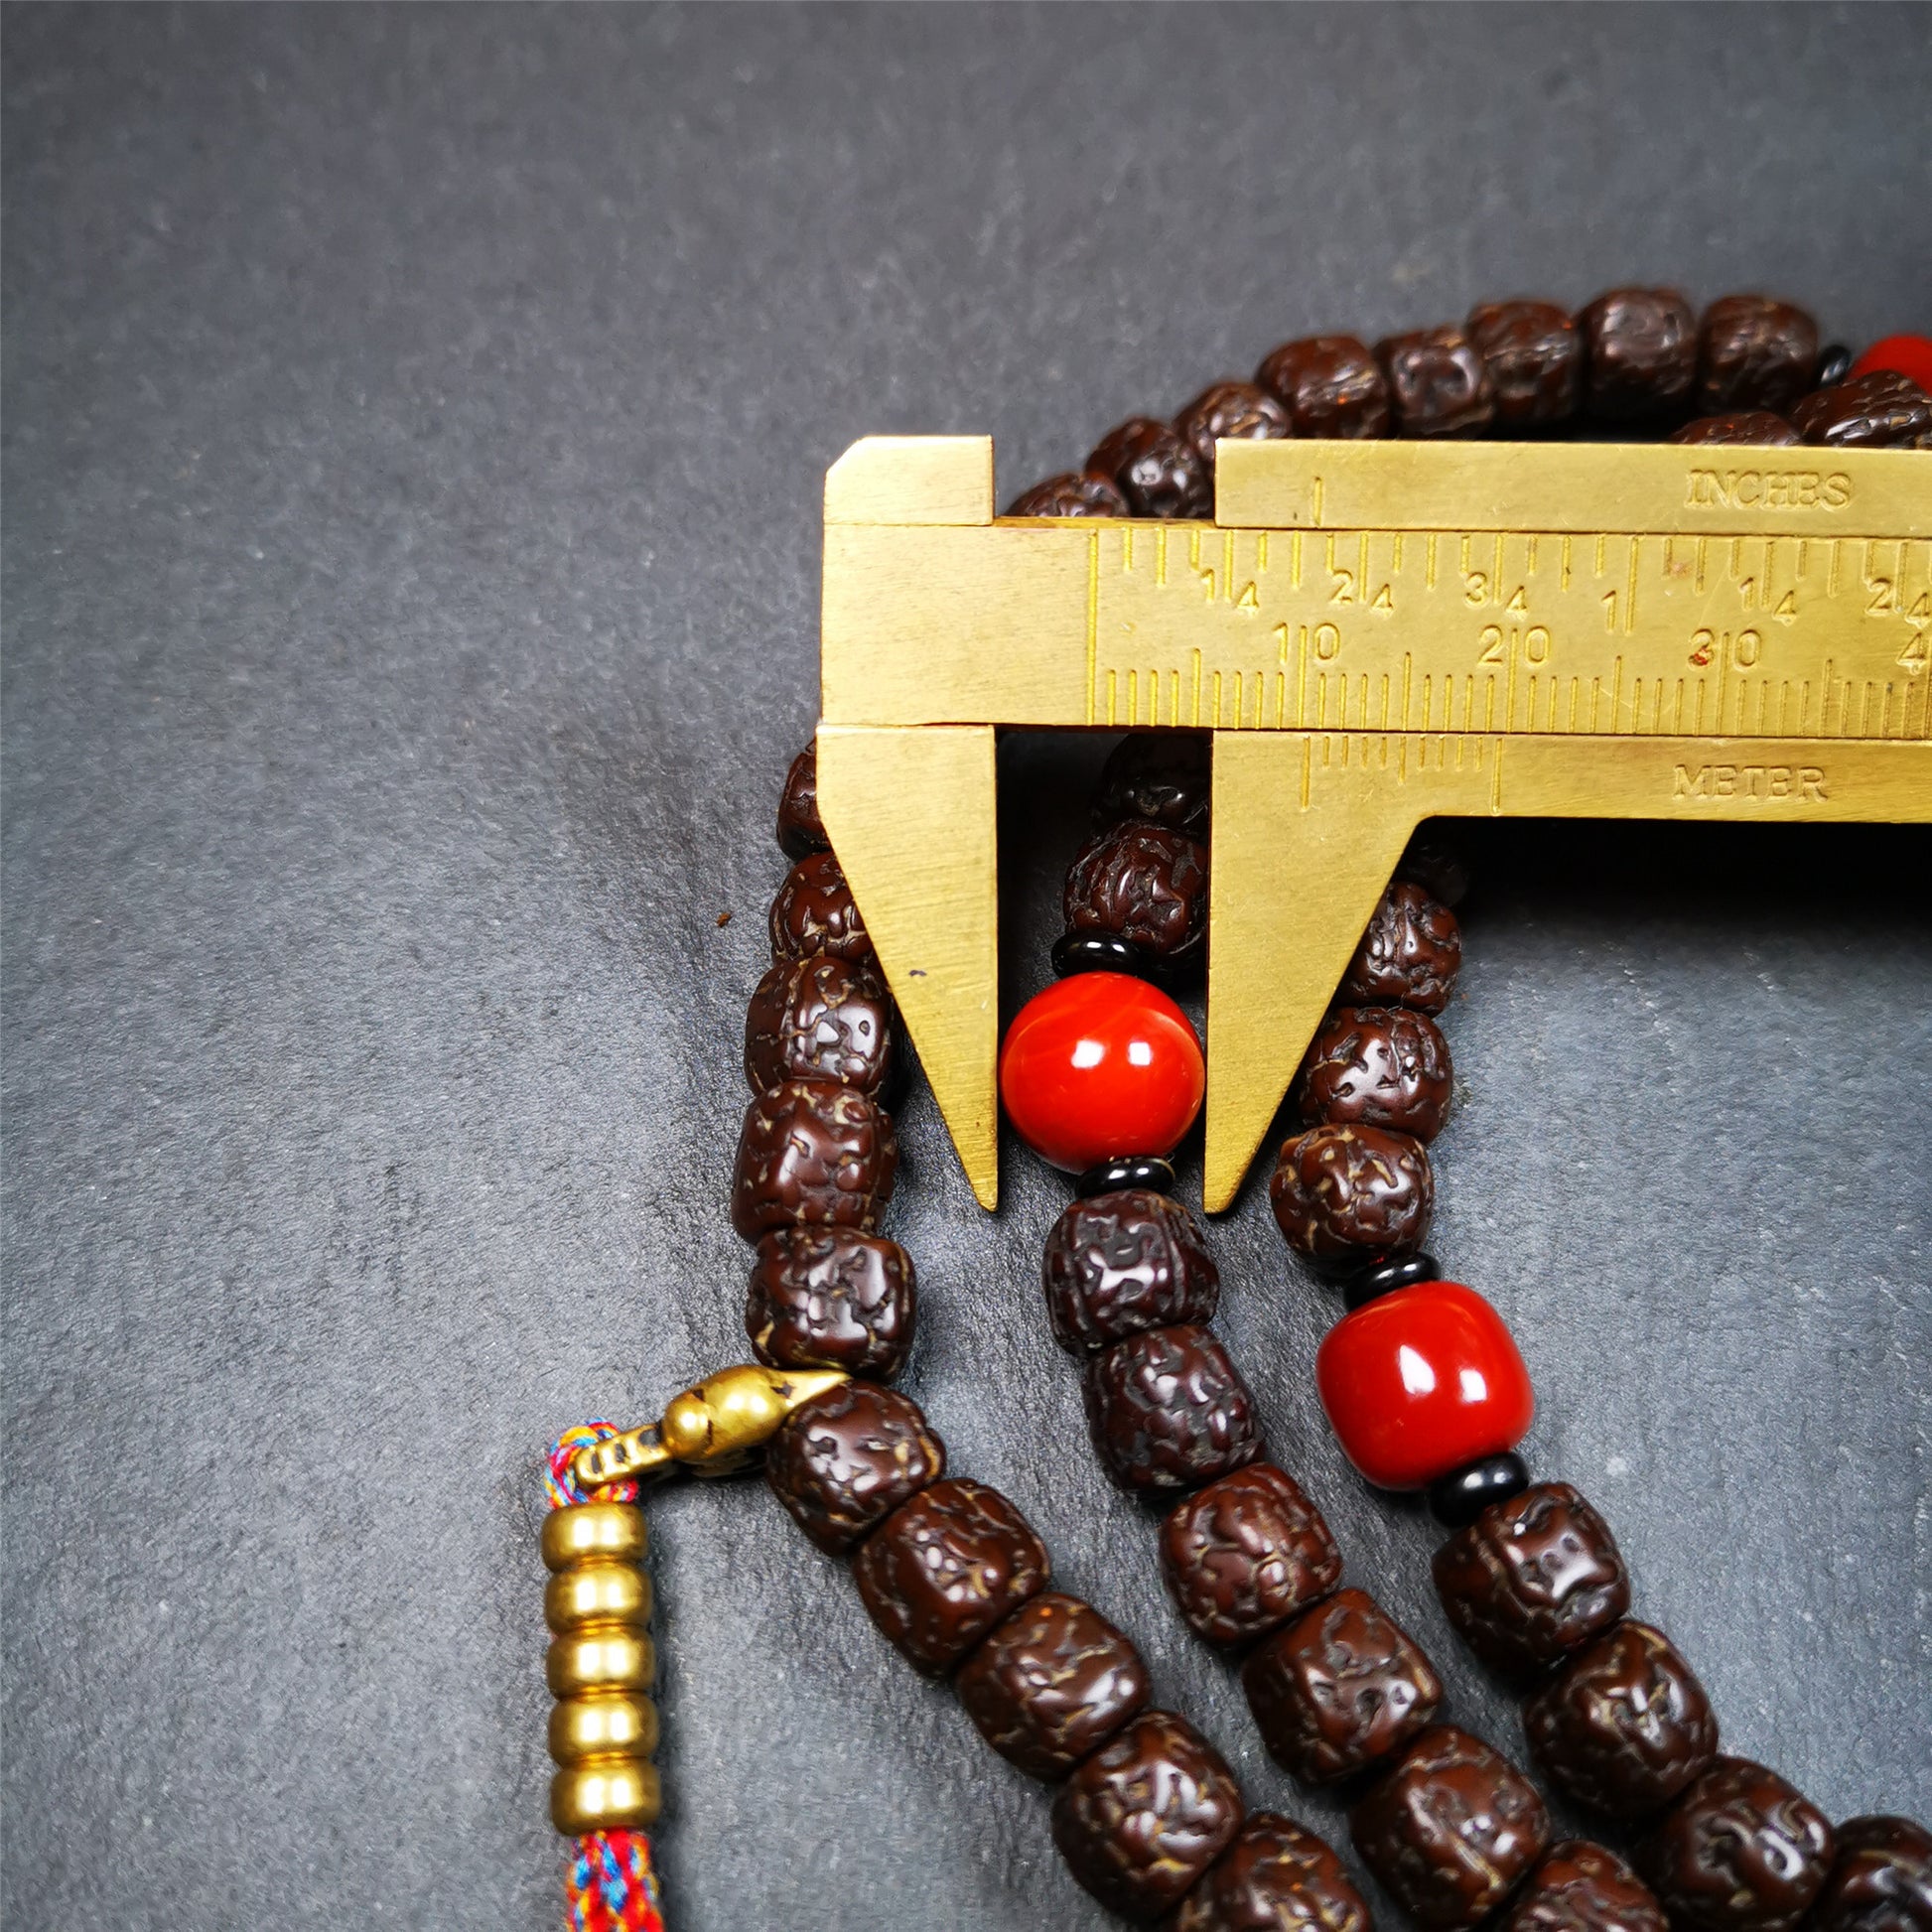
[
  {"x": 1535, "y": 361},
  {"x": 1340, "y": 1688},
  {"x": 1532, "y": 1578},
  {"x": 1155, "y": 469},
  {"x": 1754, "y": 353},
  {"x": 1751, "y": 428},
  {"x": 1352, "y": 1193},
  {"x": 1145, "y": 1815},
  {"x": 1410, "y": 954},
  {"x": 1437, "y": 385},
  {"x": 814, "y": 913},
  {"x": 1118, "y": 1263},
  {"x": 1624, "y": 1725},
  {"x": 1577, "y": 1887},
  {"x": 1880, "y": 411},
  {"x": 1166, "y": 1410},
  {"x": 812, "y": 1154},
  {"x": 1146, "y": 884},
  {"x": 847, "y": 1459},
  {"x": 1274, "y": 1878},
  {"x": 1880, "y": 1882},
  {"x": 1241, "y": 410},
  {"x": 943, "y": 1569},
  {"x": 1246, "y": 1554},
  {"x": 1740, "y": 1850},
  {"x": 820, "y": 1018},
  {"x": 1330, "y": 385},
  {"x": 1051, "y": 1684},
  {"x": 800, "y": 830},
  {"x": 1640, "y": 354},
  {"x": 1070, "y": 496},
  {"x": 1377, "y": 1066},
  {"x": 1450, "y": 1829},
  {"x": 832, "y": 1298},
  {"x": 1161, "y": 776}
]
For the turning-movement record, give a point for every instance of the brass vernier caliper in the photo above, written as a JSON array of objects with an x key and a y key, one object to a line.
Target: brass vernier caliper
[{"x": 1375, "y": 633}]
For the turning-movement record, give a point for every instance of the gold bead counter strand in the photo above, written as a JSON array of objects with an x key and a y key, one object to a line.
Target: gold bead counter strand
[{"x": 601, "y": 1664}]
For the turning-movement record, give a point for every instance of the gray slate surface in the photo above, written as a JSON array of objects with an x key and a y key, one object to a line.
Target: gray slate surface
[{"x": 413, "y": 431}]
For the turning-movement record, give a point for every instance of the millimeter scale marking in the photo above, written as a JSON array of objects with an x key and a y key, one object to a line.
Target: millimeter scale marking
[{"x": 1375, "y": 633}]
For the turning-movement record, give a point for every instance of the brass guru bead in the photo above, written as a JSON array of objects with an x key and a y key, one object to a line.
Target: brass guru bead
[{"x": 601, "y": 1663}]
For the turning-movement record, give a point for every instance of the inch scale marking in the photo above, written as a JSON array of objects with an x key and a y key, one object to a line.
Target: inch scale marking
[{"x": 1375, "y": 633}]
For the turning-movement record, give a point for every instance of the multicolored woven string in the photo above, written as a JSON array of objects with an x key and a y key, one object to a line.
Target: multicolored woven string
[{"x": 608, "y": 1885}]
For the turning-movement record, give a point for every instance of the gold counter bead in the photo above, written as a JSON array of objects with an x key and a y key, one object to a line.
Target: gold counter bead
[
  {"x": 597, "y": 1592},
  {"x": 606, "y": 1657},
  {"x": 609, "y": 1725},
  {"x": 604, "y": 1794},
  {"x": 590, "y": 1532}
]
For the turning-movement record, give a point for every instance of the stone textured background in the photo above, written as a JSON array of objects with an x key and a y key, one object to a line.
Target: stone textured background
[{"x": 414, "y": 422}]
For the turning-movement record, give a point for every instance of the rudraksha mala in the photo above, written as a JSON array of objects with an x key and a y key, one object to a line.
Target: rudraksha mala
[{"x": 1146, "y": 1813}]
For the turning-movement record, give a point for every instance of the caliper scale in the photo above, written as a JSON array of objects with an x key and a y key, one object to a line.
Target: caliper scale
[{"x": 1375, "y": 633}]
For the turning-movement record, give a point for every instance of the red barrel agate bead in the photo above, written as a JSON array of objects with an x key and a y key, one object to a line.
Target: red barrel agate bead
[
  {"x": 1098, "y": 1066},
  {"x": 1418, "y": 1382},
  {"x": 1907, "y": 354}
]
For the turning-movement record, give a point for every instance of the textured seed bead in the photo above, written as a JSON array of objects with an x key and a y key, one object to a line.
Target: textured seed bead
[
  {"x": 1532, "y": 1578},
  {"x": 1639, "y": 355},
  {"x": 1881, "y": 1879},
  {"x": 1246, "y": 1554},
  {"x": 1624, "y": 1725},
  {"x": 1421, "y": 1382},
  {"x": 820, "y": 1018},
  {"x": 847, "y": 1459},
  {"x": 814, "y": 913},
  {"x": 1409, "y": 956},
  {"x": 1751, "y": 428},
  {"x": 943, "y": 1569},
  {"x": 1070, "y": 496},
  {"x": 1880, "y": 411},
  {"x": 1166, "y": 1410},
  {"x": 1352, "y": 1195},
  {"x": 1155, "y": 469},
  {"x": 1241, "y": 411},
  {"x": 1143, "y": 1818},
  {"x": 1377, "y": 1066},
  {"x": 1330, "y": 385},
  {"x": 832, "y": 1298},
  {"x": 1146, "y": 884},
  {"x": 1754, "y": 353},
  {"x": 1165, "y": 777},
  {"x": 1339, "y": 1689},
  {"x": 800, "y": 830},
  {"x": 1742, "y": 1850},
  {"x": 1274, "y": 1878},
  {"x": 1052, "y": 1684},
  {"x": 1450, "y": 1829},
  {"x": 812, "y": 1154},
  {"x": 1577, "y": 1887},
  {"x": 1535, "y": 361},
  {"x": 1119, "y": 1263},
  {"x": 1438, "y": 384}
]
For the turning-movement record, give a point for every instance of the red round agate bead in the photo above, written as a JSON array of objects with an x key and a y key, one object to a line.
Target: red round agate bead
[
  {"x": 1101, "y": 1066},
  {"x": 1907, "y": 354},
  {"x": 1421, "y": 1381}
]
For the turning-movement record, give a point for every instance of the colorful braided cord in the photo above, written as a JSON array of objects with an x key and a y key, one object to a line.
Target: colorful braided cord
[{"x": 608, "y": 1885}]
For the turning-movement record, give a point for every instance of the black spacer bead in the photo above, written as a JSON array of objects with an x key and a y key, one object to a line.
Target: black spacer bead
[
  {"x": 1097, "y": 952},
  {"x": 1386, "y": 1278},
  {"x": 1130, "y": 1170},
  {"x": 1832, "y": 361},
  {"x": 1461, "y": 1496}
]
